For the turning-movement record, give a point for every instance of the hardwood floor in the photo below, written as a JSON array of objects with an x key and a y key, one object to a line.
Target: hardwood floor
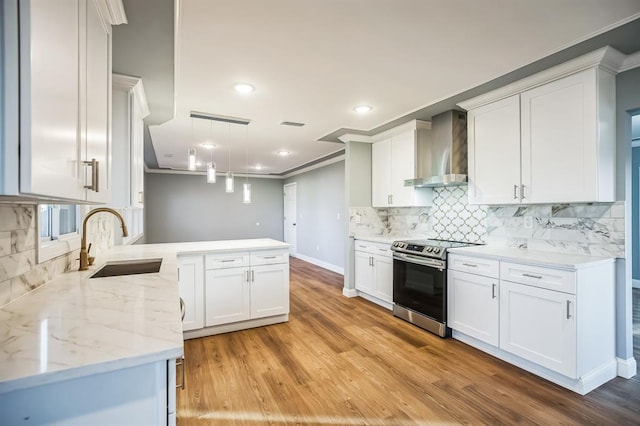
[{"x": 346, "y": 361}]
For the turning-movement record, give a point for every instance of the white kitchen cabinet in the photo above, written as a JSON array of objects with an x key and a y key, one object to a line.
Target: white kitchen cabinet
[
  {"x": 139, "y": 395},
  {"x": 393, "y": 160},
  {"x": 56, "y": 60},
  {"x": 191, "y": 285},
  {"x": 555, "y": 320},
  {"x": 374, "y": 271},
  {"x": 539, "y": 325},
  {"x": 549, "y": 138},
  {"x": 494, "y": 152},
  {"x": 227, "y": 296},
  {"x": 473, "y": 303},
  {"x": 244, "y": 289},
  {"x": 269, "y": 290}
]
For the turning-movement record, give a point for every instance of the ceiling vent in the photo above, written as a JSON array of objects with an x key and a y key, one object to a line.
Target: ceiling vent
[{"x": 291, "y": 123}]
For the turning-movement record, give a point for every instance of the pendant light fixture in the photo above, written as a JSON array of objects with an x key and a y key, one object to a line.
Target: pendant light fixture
[
  {"x": 246, "y": 187},
  {"x": 191, "y": 159},
  {"x": 228, "y": 181},
  {"x": 211, "y": 166}
]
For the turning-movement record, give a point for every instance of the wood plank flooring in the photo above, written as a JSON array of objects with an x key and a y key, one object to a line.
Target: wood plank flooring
[{"x": 346, "y": 361}]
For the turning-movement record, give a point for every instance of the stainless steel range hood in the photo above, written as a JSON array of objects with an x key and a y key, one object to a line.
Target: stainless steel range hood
[{"x": 443, "y": 160}]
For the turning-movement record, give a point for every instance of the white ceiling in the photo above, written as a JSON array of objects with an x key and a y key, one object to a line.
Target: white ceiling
[{"x": 313, "y": 61}]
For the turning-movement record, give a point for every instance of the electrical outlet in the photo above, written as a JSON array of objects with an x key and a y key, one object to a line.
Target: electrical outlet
[
  {"x": 356, "y": 218},
  {"x": 528, "y": 222}
]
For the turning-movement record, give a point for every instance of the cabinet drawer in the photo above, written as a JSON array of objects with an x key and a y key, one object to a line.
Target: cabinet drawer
[
  {"x": 474, "y": 265},
  {"x": 269, "y": 257},
  {"x": 373, "y": 248},
  {"x": 536, "y": 276},
  {"x": 227, "y": 260}
]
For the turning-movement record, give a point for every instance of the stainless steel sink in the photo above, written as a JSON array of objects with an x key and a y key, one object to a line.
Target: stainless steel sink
[{"x": 128, "y": 267}]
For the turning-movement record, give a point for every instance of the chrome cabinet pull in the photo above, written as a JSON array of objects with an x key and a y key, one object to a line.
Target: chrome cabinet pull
[
  {"x": 95, "y": 173},
  {"x": 269, "y": 257},
  {"x": 246, "y": 278},
  {"x": 372, "y": 262},
  {"x": 515, "y": 192},
  {"x": 227, "y": 260},
  {"x": 183, "y": 310},
  {"x": 180, "y": 362},
  {"x": 471, "y": 265},
  {"x": 568, "y": 313},
  {"x": 522, "y": 197},
  {"x": 532, "y": 276},
  {"x": 493, "y": 291},
  {"x": 253, "y": 277}
]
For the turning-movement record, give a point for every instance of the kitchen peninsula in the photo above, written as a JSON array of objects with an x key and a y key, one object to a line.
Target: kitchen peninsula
[{"x": 101, "y": 350}]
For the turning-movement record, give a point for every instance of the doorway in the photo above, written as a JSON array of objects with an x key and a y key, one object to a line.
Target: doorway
[{"x": 290, "y": 217}]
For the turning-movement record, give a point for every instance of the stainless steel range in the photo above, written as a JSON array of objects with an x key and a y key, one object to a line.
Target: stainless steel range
[{"x": 420, "y": 283}]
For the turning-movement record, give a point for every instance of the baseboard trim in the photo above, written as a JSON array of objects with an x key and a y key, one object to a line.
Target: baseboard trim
[
  {"x": 635, "y": 283},
  {"x": 349, "y": 292},
  {"x": 320, "y": 263},
  {"x": 627, "y": 368}
]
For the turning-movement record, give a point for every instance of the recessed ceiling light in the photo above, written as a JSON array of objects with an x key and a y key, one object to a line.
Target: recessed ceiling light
[
  {"x": 257, "y": 167},
  {"x": 283, "y": 153},
  {"x": 244, "y": 88},
  {"x": 207, "y": 145},
  {"x": 362, "y": 109}
]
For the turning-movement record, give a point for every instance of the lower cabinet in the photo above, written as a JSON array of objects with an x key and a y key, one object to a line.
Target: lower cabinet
[
  {"x": 235, "y": 290},
  {"x": 374, "y": 271},
  {"x": 539, "y": 325},
  {"x": 473, "y": 306},
  {"x": 191, "y": 285},
  {"x": 139, "y": 395},
  {"x": 227, "y": 297},
  {"x": 557, "y": 322}
]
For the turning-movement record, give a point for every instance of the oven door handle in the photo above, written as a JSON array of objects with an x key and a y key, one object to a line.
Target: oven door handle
[{"x": 419, "y": 260}]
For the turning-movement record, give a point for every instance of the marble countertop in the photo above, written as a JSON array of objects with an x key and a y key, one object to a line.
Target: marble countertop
[
  {"x": 379, "y": 239},
  {"x": 534, "y": 257},
  {"x": 74, "y": 326}
]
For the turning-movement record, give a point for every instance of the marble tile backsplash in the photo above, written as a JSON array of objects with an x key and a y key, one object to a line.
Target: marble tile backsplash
[
  {"x": 19, "y": 270},
  {"x": 596, "y": 229}
]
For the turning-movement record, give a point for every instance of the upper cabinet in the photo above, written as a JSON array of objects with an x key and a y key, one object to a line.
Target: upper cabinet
[
  {"x": 549, "y": 138},
  {"x": 58, "y": 54},
  {"x": 393, "y": 160}
]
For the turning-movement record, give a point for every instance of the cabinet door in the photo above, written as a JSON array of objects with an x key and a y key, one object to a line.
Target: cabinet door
[
  {"x": 227, "y": 296},
  {"x": 539, "y": 325},
  {"x": 381, "y": 173},
  {"x": 49, "y": 99},
  {"x": 269, "y": 290},
  {"x": 402, "y": 167},
  {"x": 494, "y": 152},
  {"x": 364, "y": 278},
  {"x": 383, "y": 269},
  {"x": 473, "y": 306},
  {"x": 97, "y": 132},
  {"x": 559, "y": 146},
  {"x": 191, "y": 285}
]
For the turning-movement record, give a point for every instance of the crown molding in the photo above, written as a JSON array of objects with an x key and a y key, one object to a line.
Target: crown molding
[
  {"x": 136, "y": 87},
  {"x": 409, "y": 125},
  {"x": 607, "y": 59},
  {"x": 630, "y": 62},
  {"x": 352, "y": 137}
]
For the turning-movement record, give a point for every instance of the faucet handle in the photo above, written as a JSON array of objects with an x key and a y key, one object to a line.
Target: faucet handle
[{"x": 89, "y": 248}]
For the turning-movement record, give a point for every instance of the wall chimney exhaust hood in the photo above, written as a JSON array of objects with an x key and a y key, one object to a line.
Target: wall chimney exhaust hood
[{"x": 442, "y": 161}]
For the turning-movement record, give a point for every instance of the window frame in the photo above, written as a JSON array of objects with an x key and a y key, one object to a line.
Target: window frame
[{"x": 64, "y": 244}]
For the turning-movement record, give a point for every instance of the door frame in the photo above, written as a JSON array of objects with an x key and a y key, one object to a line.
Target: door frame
[{"x": 293, "y": 250}]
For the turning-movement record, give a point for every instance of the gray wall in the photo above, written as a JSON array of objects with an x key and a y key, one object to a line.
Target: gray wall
[
  {"x": 187, "y": 208},
  {"x": 320, "y": 199},
  {"x": 358, "y": 174},
  {"x": 627, "y": 103}
]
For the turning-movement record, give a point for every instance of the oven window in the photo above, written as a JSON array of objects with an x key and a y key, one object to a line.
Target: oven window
[{"x": 420, "y": 288}]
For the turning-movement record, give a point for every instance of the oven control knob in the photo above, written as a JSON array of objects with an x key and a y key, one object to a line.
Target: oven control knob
[
  {"x": 429, "y": 249},
  {"x": 436, "y": 250}
]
